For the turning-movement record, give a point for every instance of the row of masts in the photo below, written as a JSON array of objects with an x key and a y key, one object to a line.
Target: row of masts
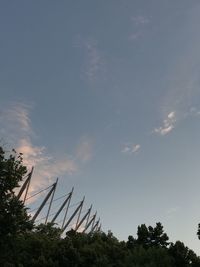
[{"x": 87, "y": 222}]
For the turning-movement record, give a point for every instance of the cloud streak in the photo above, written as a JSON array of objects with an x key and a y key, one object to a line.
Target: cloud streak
[
  {"x": 15, "y": 122},
  {"x": 15, "y": 125},
  {"x": 93, "y": 66},
  {"x": 46, "y": 168},
  {"x": 139, "y": 24},
  {"x": 84, "y": 150},
  {"x": 183, "y": 92},
  {"x": 131, "y": 148},
  {"x": 140, "y": 20},
  {"x": 170, "y": 213},
  {"x": 168, "y": 124}
]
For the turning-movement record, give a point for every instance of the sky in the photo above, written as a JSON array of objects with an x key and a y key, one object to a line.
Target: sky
[{"x": 105, "y": 95}]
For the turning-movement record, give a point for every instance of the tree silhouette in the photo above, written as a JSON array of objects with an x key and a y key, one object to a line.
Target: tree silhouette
[
  {"x": 13, "y": 215},
  {"x": 152, "y": 236}
]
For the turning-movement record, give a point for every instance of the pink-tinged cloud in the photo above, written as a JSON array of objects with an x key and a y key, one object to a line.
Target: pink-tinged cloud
[
  {"x": 46, "y": 168},
  {"x": 84, "y": 150},
  {"x": 16, "y": 124}
]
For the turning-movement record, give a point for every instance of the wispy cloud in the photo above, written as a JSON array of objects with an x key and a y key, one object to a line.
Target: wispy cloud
[
  {"x": 94, "y": 62},
  {"x": 94, "y": 65},
  {"x": 183, "y": 92},
  {"x": 131, "y": 148},
  {"x": 16, "y": 129},
  {"x": 194, "y": 111},
  {"x": 15, "y": 121},
  {"x": 135, "y": 36},
  {"x": 140, "y": 20},
  {"x": 84, "y": 150},
  {"x": 168, "y": 124},
  {"x": 139, "y": 24},
  {"x": 172, "y": 211},
  {"x": 46, "y": 168}
]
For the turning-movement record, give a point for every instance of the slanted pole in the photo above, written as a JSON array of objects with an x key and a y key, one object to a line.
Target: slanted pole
[
  {"x": 82, "y": 220},
  {"x": 64, "y": 219},
  {"x": 44, "y": 202},
  {"x": 79, "y": 214},
  {"x": 94, "y": 220},
  {"x": 94, "y": 227},
  {"x": 27, "y": 188},
  {"x": 73, "y": 215},
  {"x": 89, "y": 223},
  {"x": 50, "y": 204},
  {"x": 88, "y": 217},
  {"x": 62, "y": 206},
  {"x": 99, "y": 228},
  {"x": 25, "y": 185}
]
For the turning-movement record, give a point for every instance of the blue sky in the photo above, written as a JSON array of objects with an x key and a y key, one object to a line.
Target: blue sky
[{"x": 105, "y": 95}]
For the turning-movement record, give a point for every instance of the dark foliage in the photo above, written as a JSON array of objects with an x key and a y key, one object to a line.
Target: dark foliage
[
  {"x": 13, "y": 215},
  {"x": 21, "y": 244}
]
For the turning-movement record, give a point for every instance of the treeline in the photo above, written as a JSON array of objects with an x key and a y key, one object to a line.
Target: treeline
[
  {"x": 43, "y": 247},
  {"x": 24, "y": 244}
]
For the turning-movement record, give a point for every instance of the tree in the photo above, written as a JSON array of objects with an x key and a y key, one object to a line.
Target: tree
[
  {"x": 13, "y": 215},
  {"x": 198, "y": 231},
  {"x": 183, "y": 256},
  {"x": 48, "y": 230},
  {"x": 131, "y": 242},
  {"x": 152, "y": 236}
]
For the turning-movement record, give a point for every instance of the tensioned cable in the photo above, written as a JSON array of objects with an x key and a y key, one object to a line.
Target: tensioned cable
[
  {"x": 45, "y": 217},
  {"x": 63, "y": 209},
  {"x": 73, "y": 205},
  {"x": 52, "y": 201},
  {"x": 39, "y": 192},
  {"x": 50, "y": 215}
]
